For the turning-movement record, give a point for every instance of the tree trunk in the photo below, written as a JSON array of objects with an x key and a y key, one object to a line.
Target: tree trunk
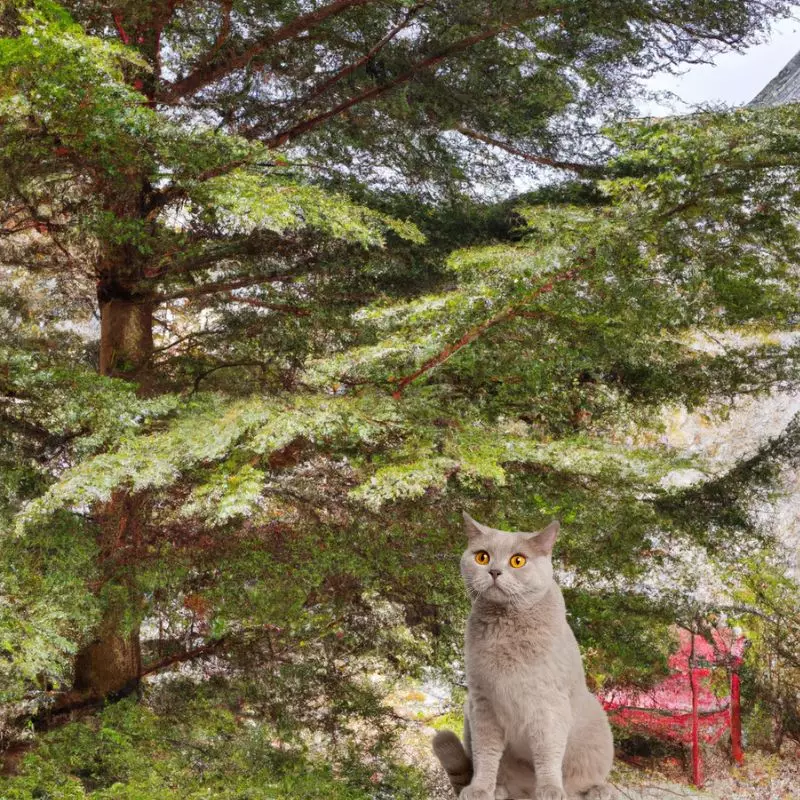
[
  {"x": 112, "y": 662},
  {"x": 126, "y": 337}
]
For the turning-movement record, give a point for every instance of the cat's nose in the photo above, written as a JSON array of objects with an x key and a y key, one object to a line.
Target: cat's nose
[{"x": 495, "y": 572}]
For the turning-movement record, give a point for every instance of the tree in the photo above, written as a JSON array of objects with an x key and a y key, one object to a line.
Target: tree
[{"x": 295, "y": 393}]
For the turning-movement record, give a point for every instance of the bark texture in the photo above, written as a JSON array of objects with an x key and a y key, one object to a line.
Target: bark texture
[
  {"x": 126, "y": 338},
  {"x": 112, "y": 662}
]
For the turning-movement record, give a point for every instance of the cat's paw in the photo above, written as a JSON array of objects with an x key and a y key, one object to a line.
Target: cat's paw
[
  {"x": 475, "y": 793},
  {"x": 549, "y": 793},
  {"x": 600, "y": 792}
]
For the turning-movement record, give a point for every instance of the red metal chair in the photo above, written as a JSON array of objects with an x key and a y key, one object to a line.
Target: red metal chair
[{"x": 683, "y": 707}]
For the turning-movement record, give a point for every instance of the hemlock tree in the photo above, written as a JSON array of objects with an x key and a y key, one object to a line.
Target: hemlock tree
[{"x": 296, "y": 389}]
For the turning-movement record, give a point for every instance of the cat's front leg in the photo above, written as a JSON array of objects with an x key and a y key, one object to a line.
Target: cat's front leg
[
  {"x": 548, "y": 732},
  {"x": 487, "y": 743}
]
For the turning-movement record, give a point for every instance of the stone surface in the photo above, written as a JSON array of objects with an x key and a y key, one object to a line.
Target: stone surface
[{"x": 783, "y": 88}]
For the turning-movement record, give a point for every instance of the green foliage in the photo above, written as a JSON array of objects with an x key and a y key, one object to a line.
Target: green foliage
[
  {"x": 450, "y": 721},
  {"x": 221, "y": 462},
  {"x": 243, "y": 203},
  {"x": 45, "y": 609},
  {"x": 189, "y": 751},
  {"x": 68, "y": 107},
  {"x": 632, "y": 629},
  {"x": 700, "y": 249},
  {"x": 766, "y": 602},
  {"x": 74, "y": 84}
]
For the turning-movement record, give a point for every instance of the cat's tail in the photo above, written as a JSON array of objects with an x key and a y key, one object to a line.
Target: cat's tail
[{"x": 452, "y": 756}]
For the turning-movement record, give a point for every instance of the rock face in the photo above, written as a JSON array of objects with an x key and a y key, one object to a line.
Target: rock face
[
  {"x": 778, "y": 410},
  {"x": 721, "y": 442},
  {"x": 783, "y": 88}
]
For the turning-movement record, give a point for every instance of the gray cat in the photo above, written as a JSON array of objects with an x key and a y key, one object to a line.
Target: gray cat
[{"x": 531, "y": 727}]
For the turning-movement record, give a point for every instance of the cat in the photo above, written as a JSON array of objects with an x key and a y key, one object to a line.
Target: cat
[{"x": 531, "y": 727}]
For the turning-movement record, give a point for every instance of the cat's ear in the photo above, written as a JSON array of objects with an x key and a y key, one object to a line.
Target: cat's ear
[
  {"x": 471, "y": 527},
  {"x": 544, "y": 540}
]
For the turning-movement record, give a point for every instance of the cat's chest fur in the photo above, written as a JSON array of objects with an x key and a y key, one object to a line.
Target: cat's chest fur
[
  {"x": 506, "y": 644},
  {"x": 512, "y": 652}
]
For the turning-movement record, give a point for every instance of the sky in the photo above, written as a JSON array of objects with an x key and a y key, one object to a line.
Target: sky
[{"x": 733, "y": 78}]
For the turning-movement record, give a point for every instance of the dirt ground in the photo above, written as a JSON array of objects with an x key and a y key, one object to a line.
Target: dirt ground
[{"x": 762, "y": 777}]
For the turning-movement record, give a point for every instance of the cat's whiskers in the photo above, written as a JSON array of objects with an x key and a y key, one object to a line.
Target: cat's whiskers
[
  {"x": 472, "y": 592},
  {"x": 514, "y": 598}
]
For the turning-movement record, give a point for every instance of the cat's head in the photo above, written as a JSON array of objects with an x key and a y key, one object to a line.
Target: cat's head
[{"x": 507, "y": 568}]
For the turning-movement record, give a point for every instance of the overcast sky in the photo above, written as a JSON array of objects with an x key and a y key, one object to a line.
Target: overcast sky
[{"x": 733, "y": 79}]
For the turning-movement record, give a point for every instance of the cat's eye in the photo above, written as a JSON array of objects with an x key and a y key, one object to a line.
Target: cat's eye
[
  {"x": 517, "y": 561},
  {"x": 482, "y": 557}
]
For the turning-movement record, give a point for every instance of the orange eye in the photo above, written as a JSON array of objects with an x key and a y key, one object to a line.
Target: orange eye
[
  {"x": 482, "y": 557},
  {"x": 517, "y": 561}
]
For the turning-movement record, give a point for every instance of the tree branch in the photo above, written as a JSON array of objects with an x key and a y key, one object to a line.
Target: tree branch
[
  {"x": 262, "y": 365},
  {"x": 74, "y": 703},
  {"x": 581, "y": 169},
  {"x": 185, "y": 655},
  {"x": 31, "y": 431},
  {"x": 296, "y": 311},
  {"x": 181, "y": 339},
  {"x": 285, "y": 308},
  {"x": 222, "y": 286},
  {"x": 366, "y": 58},
  {"x": 222, "y": 36},
  {"x": 279, "y": 139},
  {"x": 126, "y": 40},
  {"x": 472, "y": 334},
  {"x": 210, "y": 71},
  {"x": 159, "y": 199},
  {"x": 161, "y": 22},
  {"x": 44, "y": 225},
  {"x": 287, "y": 135}
]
